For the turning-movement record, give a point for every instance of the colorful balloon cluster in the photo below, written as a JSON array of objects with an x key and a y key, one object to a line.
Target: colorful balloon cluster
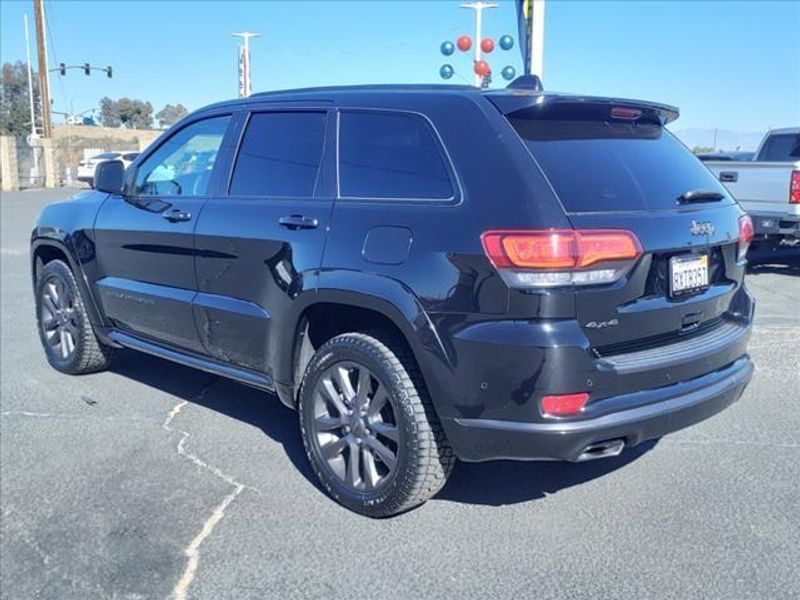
[{"x": 481, "y": 67}]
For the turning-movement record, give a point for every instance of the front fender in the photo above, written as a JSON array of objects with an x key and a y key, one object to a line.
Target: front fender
[{"x": 68, "y": 227}]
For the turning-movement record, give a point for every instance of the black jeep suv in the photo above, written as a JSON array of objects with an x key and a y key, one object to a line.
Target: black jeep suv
[{"x": 425, "y": 272}]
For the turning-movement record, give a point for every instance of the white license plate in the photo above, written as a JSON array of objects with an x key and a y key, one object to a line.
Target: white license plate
[{"x": 687, "y": 274}]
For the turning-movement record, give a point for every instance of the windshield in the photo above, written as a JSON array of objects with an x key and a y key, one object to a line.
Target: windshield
[{"x": 597, "y": 166}]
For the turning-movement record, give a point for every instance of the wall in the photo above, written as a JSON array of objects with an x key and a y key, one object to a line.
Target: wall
[{"x": 70, "y": 141}]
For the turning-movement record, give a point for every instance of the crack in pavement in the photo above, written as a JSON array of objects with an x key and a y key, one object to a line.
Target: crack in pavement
[
  {"x": 42, "y": 415},
  {"x": 192, "y": 551}
]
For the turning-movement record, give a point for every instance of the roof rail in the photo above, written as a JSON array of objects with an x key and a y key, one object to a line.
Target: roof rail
[{"x": 527, "y": 82}]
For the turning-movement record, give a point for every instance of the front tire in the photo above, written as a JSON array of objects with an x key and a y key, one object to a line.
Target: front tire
[
  {"x": 369, "y": 429},
  {"x": 64, "y": 328}
]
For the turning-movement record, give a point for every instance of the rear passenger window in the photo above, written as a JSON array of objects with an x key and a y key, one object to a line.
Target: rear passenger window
[
  {"x": 390, "y": 156},
  {"x": 279, "y": 155},
  {"x": 784, "y": 147}
]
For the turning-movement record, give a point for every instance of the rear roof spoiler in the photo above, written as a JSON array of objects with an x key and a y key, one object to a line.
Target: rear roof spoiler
[{"x": 524, "y": 101}]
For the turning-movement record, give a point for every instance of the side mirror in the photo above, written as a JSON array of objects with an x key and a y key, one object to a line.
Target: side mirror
[{"x": 109, "y": 177}]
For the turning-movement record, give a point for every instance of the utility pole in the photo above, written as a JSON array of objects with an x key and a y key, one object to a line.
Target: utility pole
[
  {"x": 245, "y": 82},
  {"x": 478, "y": 7},
  {"x": 44, "y": 74}
]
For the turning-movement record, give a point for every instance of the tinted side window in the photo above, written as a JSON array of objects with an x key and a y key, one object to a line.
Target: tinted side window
[
  {"x": 385, "y": 155},
  {"x": 182, "y": 166},
  {"x": 784, "y": 147},
  {"x": 280, "y": 155}
]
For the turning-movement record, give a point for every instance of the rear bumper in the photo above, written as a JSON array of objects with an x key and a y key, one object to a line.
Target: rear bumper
[
  {"x": 656, "y": 413},
  {"x": 771, "y": 225}
]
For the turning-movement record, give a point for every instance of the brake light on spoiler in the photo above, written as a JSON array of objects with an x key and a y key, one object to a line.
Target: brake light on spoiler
[{"x": 561, "y": 257}]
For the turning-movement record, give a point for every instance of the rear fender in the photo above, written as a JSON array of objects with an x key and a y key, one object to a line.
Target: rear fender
[{"x": 383, "y": 295}]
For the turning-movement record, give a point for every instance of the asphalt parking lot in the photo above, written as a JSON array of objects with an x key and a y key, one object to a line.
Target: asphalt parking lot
[{"x": 153, "y": 480}]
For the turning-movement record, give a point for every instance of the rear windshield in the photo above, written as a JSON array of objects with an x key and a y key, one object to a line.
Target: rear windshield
[
  {"x": 783, "y": 147},
  {"x": 597, "y": 166}
]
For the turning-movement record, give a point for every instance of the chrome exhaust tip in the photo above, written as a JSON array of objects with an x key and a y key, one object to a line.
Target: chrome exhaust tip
[{"x": 601, "y": 450}]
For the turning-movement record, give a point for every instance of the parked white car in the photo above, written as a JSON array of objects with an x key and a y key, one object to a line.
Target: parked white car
[
  {"x": 86, "y": 168},
  {"x": 768, "y": 188}
]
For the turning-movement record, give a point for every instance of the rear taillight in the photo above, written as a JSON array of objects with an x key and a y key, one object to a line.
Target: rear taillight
[
  {"x": 746, "y": 233},
  {"x": 564, "y": 405},
  {"x": 558, "y": 257},
  {"x": 794, "y": 188}
]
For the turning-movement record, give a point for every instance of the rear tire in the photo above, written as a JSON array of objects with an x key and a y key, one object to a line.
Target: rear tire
[
  {"x": 369, "y": 429},
  {"x": 64, "y": 328}
]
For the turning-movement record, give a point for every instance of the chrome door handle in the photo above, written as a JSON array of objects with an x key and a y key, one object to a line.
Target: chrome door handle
[
  {"x": 176, "y": 215},
  {"x": 294, "y": 222}
]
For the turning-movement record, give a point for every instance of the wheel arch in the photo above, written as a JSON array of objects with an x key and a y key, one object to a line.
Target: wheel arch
[
  {"x": 45, "y": 250},
  {"x": 338, "y": 311}
]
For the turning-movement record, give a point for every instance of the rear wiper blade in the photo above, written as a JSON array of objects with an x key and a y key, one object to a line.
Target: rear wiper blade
[{"x": 699, "y": 196}]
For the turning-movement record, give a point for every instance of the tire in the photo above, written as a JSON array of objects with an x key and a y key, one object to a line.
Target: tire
[
  {"x": 394, "y": 415},
  {"x": 64, "y": 328}
]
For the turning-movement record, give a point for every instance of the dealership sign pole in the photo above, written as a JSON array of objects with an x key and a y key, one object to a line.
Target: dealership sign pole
[
  {"x": 530, "y": 15},
  {"x": 478, "y": 7},
  {"x": 245, "y": 82}
]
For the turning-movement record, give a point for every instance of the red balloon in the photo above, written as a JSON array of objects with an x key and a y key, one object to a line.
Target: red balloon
[
  {"x": 482, "y": 68},
  {"x": 464, "y": 43},
  {"x": 487, "y": 45}
]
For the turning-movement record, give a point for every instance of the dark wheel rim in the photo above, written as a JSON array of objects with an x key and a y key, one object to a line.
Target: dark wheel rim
[
  {"x": 355, "y": 426},
  {"x": 58, "y": 317}
]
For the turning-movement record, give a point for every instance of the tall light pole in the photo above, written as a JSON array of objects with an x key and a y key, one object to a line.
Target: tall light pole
[
  {"x": 30, "y": 76},
  {"x": 478, "y": 7},
  {"x": 34, "y": 134},
  {"x": 245, "y": 84}
]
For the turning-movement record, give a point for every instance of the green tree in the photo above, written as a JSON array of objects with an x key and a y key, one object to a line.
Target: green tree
[
  {"x": 131, "y": 113},
  {"x": 702, "y": 149},
  {"x": 169, "y": 115},
  {"x": 15, "y": 112},
  {"x": 109, "y": 115}
]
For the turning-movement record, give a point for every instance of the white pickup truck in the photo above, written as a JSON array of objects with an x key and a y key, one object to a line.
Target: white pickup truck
[{"x": 768, "y": 188}]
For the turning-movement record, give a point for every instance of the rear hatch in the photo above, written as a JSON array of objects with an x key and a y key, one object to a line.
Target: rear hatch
[{"x": 613, "y": 166}]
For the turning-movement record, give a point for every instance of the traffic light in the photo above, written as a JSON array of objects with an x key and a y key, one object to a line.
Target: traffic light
[
  {"x": 108, "y": 72},
  {"x": 62, "y": 68},
  {"x": 87, "y": 69}
]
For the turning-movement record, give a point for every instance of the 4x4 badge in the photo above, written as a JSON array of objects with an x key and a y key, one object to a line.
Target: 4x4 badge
[{"x": 701, "y": 228}]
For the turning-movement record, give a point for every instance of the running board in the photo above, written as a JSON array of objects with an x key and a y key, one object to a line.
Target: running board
[{"x": 257, "y": 380}]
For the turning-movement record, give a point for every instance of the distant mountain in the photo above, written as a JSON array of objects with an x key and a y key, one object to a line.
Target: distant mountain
[{"x": 726, "y": 139}]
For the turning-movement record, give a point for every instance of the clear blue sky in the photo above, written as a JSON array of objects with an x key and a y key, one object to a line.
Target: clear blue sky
[{"x": 732, "y": 65}]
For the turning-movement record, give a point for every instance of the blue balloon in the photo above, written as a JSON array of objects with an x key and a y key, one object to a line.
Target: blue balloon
[
  {"x": 506, "y": 42},
  {"x": 447, "y": 48},
  {"x": 508, "y": 73},
  {"x": 446, "y": 72}
]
